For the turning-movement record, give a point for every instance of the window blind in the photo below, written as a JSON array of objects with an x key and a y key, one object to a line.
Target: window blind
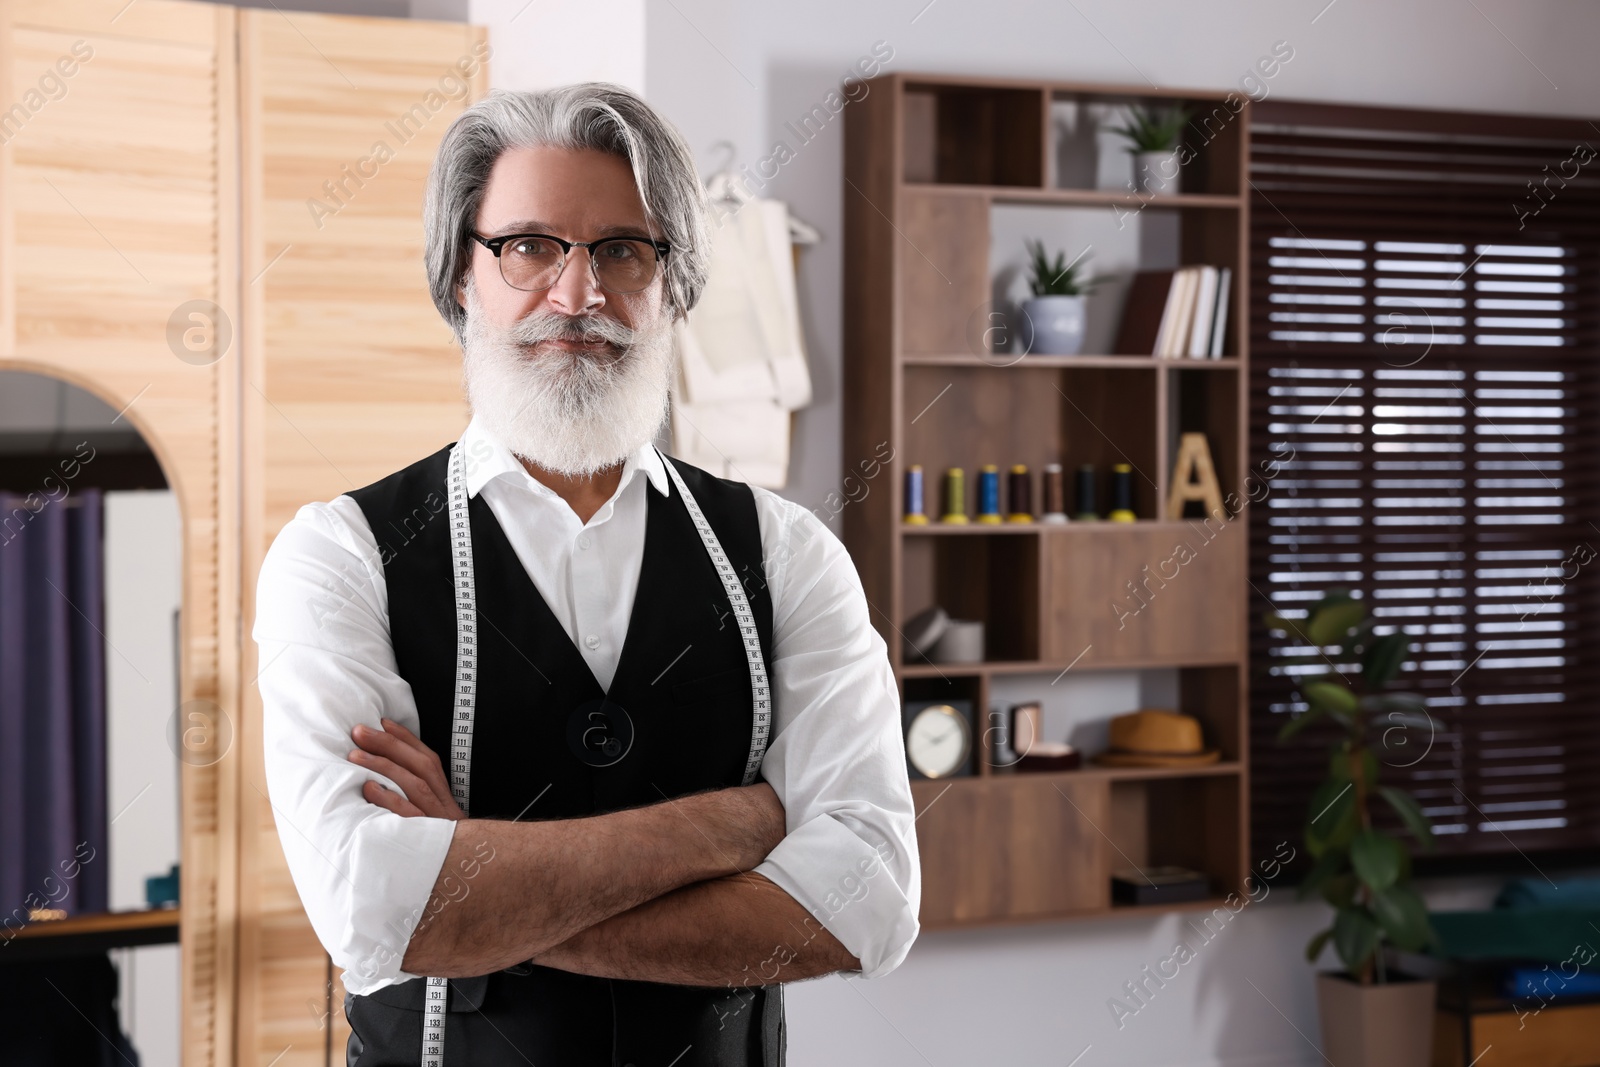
[{"x": 1423, "y": 377}]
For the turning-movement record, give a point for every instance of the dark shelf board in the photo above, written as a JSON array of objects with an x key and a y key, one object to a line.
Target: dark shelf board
[
  {"x": 1220, "y": 769},
  {"x": 971, "y": 670},
  {"x": 1079, "y": 527},
  {"x": 86, "y": 935},
  {"x": 1011, "y": 361},
  {"x": 1110, "y": 911},
  {"x": 1104, "y": 198}
]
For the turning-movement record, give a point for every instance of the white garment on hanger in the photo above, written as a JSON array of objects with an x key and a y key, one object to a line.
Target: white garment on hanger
[{"x": 742, "y": 365}]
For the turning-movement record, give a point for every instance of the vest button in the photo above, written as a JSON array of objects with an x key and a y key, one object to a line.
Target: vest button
[{"x": 592, "y": 641}]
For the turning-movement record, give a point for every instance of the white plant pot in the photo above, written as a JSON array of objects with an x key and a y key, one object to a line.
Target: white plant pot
[
  {"x": 1156, "y": 173},
  {"x": 1052, "y": 326}
]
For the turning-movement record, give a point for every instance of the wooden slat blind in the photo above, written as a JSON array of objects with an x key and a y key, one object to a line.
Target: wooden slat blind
[{"x": 1424, "y": 375}]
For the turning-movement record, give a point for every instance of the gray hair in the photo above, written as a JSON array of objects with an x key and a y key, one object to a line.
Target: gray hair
[{"x": 597, "y": 115}]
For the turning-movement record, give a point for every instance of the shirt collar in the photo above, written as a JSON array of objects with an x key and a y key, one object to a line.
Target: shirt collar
[{"x": 488, "y": 459}]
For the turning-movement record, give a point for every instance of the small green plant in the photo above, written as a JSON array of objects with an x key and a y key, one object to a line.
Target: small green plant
[
  {"x": 1360, "y": 870},
  {"x": 1152, "y": 131},
  {"x": 1058, "y": 277}
]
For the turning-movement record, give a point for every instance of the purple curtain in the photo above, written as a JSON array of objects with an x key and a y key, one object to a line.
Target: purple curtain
[{"x": 52, "y": 705}]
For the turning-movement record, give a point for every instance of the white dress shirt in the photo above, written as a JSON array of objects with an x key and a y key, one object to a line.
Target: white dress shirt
[{"x": 835, "y": 755}]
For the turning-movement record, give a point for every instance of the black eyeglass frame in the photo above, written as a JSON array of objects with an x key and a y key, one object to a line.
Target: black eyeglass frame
[{"x": 494, "y": 244}]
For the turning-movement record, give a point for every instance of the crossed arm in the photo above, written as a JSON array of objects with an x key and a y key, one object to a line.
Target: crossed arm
[{"x": 662, "y": 893}]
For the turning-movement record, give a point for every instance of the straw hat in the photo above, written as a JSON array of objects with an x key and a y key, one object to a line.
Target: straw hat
[{"x": 1156, "y": 738}]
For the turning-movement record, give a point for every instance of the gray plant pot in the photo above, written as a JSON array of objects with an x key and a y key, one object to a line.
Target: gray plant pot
[
  {"x": 1052, "y": 325},
  {"x": 1156, "y": 173},
  {"x": 1388, "y": 1025}
]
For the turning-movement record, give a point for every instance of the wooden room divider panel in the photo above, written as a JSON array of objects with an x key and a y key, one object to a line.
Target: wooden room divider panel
[
  {"x": 349, "y": 374},
  {"x": 118, "y": 226},
  {"x": 211, "y": 218}
]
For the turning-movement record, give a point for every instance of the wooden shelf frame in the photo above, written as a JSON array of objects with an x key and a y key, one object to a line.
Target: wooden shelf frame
[
  {"x": 1014, "y": 194},
  {"x": 1009, "y": 362},
  {"x": 1000, "y": 846}
]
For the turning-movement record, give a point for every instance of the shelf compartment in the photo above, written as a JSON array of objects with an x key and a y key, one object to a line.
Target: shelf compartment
[
  {"x": 1210, "y": 145},
  {"x": 995, "y": 849},
  {"x": 1145, "y": 593},
  {"x": 1199, "y": 402},
  {"x": 974, "y": 135},
  {"x": 1192, "y": 821},
  {"x": 995, "y": 579},
  {"x": 951, "y": 687},
  {"x": 967, "y": 416},
  {"x": 1214, "y": 695}
]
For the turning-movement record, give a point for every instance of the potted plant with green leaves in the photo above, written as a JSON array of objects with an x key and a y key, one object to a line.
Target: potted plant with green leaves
[
  {"x": 1371, "y": 1016},
  {"x": 1153, "y": 142},
  {"x": 1053, "y": 318}
]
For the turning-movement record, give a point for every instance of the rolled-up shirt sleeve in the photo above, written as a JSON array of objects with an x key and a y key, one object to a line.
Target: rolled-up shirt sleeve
[
  {"x": 837, "y": 757},
  {"x": 364, "y": 874}
]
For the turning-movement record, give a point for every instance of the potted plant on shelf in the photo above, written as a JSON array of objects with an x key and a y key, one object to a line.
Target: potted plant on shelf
[
  {"x": 1052, "y": 320},
  {"x": 1371, "y": 1016},
  {"x": 1153, "y": 143}
]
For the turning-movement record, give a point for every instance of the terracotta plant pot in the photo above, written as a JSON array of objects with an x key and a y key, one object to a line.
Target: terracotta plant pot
[{"x": 1389, "y": 1025}]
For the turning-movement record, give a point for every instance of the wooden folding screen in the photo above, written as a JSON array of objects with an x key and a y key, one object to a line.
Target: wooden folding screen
[
  {"x": 168, "y": 242},
  {"x": 348, "y": 374}
]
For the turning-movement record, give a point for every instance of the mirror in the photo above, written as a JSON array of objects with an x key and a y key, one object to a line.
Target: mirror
[{"x": 90, "y": 587}]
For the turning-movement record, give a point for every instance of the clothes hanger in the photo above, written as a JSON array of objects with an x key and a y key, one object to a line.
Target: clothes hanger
[
  {"x": 723, "y": 187},
  {"x": 802, "y": 232}
]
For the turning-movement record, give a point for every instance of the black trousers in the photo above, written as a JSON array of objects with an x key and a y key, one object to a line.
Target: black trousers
[{"x": 552, "y": 1018}]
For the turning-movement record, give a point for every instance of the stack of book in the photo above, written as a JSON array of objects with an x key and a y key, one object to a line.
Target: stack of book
[{"x": 1176, "y": 314}]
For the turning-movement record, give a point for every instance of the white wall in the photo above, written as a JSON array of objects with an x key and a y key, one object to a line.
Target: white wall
[
  {"x": 538, "y": 44},
  {"x": 724, "y": 70}
]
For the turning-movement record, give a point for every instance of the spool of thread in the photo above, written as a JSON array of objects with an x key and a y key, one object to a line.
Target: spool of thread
[
  {"x": 955, "y": 496},
  {"x": 915, "y": 515},
  {"x": 1019, "y": 494},
  {"x": 1085, "y": 494},
  {"x": 1121, "y": 493},
  {"x": 989, "y": 494},
  {"x": 1055, "y": 494}
]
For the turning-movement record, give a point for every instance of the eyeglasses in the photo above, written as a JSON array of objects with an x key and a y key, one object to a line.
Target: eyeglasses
[{"x": 533, "y": 261}]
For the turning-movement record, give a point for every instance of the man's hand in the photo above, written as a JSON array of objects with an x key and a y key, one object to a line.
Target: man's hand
[{"x": 399, "y": 755}]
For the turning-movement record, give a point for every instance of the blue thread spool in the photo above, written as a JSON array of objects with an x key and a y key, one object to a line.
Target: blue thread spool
[
  {"x": 915, "y": 515},
  {"x": 989, "y": 493}
]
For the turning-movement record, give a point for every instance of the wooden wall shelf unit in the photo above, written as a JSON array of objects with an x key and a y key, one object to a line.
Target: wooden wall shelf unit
[{"x": 928, "y": 161}]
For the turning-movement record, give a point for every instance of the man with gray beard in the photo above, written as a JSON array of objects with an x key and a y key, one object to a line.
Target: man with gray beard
[{"x": 593, "y": 750}]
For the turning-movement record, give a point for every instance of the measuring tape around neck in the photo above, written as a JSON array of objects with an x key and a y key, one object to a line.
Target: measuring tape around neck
[
  {"x": 438, "y": 989},
  {"x": 760, "y": 692}
]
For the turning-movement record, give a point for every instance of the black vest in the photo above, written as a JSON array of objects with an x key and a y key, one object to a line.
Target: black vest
[{"x": 549, "y": 743}]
